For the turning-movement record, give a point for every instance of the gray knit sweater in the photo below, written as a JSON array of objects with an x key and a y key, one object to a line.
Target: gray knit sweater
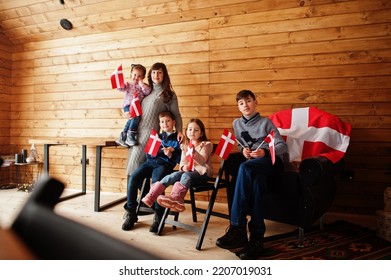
[
  {"x": 152, "y": 105},
  {"x": 251, "y": 132}
]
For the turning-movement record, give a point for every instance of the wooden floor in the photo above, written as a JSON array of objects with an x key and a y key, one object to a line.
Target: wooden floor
[{"x": 173, "y": 244}]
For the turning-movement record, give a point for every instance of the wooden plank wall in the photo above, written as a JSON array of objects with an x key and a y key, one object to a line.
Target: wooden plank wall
[
  {"x": 5, "y": 94},
  {"x": 335, "y": 55}
]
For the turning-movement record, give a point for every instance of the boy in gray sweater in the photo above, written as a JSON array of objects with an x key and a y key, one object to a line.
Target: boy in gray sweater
[{"x": 250, "y": 130}]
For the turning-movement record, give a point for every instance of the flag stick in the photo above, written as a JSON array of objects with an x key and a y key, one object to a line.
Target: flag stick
[
  {"x": 240, "y": 144},
  {"x": 260, "y": 145},
  {"x": 264, "y": 140}
]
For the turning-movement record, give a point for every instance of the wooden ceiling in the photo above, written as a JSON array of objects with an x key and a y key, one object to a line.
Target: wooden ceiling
[{"x": 25, "y": 21}]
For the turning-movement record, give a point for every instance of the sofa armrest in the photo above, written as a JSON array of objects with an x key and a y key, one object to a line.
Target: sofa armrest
[{"x": 314, "y": 169}]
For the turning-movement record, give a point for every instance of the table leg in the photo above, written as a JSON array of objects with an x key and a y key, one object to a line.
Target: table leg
[
  {"x": 46, "y": 158},
  {"x": 83, "y": 174},
  {"x": 97, "y": 206},
  {"x": 97, "y": 178},
  {"x": 84, "y": 169}
]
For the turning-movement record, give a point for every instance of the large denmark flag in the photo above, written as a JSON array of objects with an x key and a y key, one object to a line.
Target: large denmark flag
[
  {"x": 117, "y": 78},
  {"x": 225, "y": 145},
  {"x": 153, "y": 144},
  {"x": 312, "y": 132},
  {"x": 135, "y": 107}
]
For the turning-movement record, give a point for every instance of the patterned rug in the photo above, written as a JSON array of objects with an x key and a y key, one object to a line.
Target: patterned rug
[{"x": 337, "y": 241}]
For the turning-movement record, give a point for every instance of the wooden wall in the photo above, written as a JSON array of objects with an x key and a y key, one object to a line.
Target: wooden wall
[
  {"x": 5, "y": 94},
  {"x": 335, "y": 55}
]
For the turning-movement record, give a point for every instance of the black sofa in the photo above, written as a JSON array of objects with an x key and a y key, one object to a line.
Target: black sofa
[{"x": 297, "y": 197}]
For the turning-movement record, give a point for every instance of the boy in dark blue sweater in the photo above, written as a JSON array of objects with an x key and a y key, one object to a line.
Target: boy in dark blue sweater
[{"x": 157, "y": 167}]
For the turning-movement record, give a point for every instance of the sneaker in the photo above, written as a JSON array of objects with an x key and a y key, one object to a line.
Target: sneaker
[
  {"x": 253, "y": 249},
  {"x": 121, "y": 140},
  {"x": 131, "y": 139},
  {"x": 130, "y": 219},
  {"x": 234, "y": 239}
]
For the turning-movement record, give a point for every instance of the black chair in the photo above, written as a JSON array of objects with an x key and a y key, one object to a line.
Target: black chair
[
  {"x": 213, "y": 185},
  {"x": 52, "y": 237}
]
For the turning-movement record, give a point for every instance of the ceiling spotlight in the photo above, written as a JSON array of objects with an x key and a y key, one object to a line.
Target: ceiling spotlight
[
  {"x": 66, "y": 24},
  {"x": 62, "y": 2}
]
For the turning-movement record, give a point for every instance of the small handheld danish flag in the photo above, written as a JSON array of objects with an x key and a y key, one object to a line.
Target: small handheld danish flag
[
  {"x": 190, "y": 156},
  {"x": 135, "y": 106},
  {"x": 225, "y": 145},
  {"x": 153, "y": 144},
  {"x": 270, "y": 139},
  {"x": 117, "y": 78}
]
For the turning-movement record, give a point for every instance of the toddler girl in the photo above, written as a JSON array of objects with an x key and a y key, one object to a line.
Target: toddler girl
[{"x": 128, "y": 136}]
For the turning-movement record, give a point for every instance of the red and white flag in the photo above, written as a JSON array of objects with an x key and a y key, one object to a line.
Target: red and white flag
[
  {"x": 153, "y": 144},
  {"x": 312, "y": 132},
  {"x": 190, "y": 156},
  {"x": 135, "y": 106},
  {"x": 270, "y": 140},
  {"x": 225, "y": 145},
  {"x": 117, "y": 78}
]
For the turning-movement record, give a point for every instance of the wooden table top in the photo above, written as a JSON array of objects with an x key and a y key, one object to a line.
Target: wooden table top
[{"x": 89, "y": 141}]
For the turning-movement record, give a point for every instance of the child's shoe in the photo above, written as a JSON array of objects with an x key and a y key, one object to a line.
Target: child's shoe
[
  {"x": 176, "y": 200},
  {"x": 156, "y": 189},
  {"x": 121, "y": 140},
  {"x": 131, "y": 138},
  {"x": 130, "y": 218},
  {"x": 234, "y": 239},
  {"x": 253, "y": 249}
]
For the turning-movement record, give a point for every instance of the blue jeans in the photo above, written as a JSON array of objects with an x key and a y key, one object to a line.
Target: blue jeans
[
  {"x": 132, "y": 124},
  {"x": 185, "y": 178},
  {"x": 251, "y": 184},
  {"x": 154, "y": 168}
]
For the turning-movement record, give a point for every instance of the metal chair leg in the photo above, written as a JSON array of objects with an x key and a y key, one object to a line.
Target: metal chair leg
[
  {"x": 163, "y": 221},
  {"x": 193, "y": 205},
  {"x": 321, "y": 222},
  {"x": 301, "y": 238}
]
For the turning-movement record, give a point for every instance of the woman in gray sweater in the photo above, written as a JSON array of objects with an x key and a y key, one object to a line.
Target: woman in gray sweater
[{"x": 162, "y": 98}]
